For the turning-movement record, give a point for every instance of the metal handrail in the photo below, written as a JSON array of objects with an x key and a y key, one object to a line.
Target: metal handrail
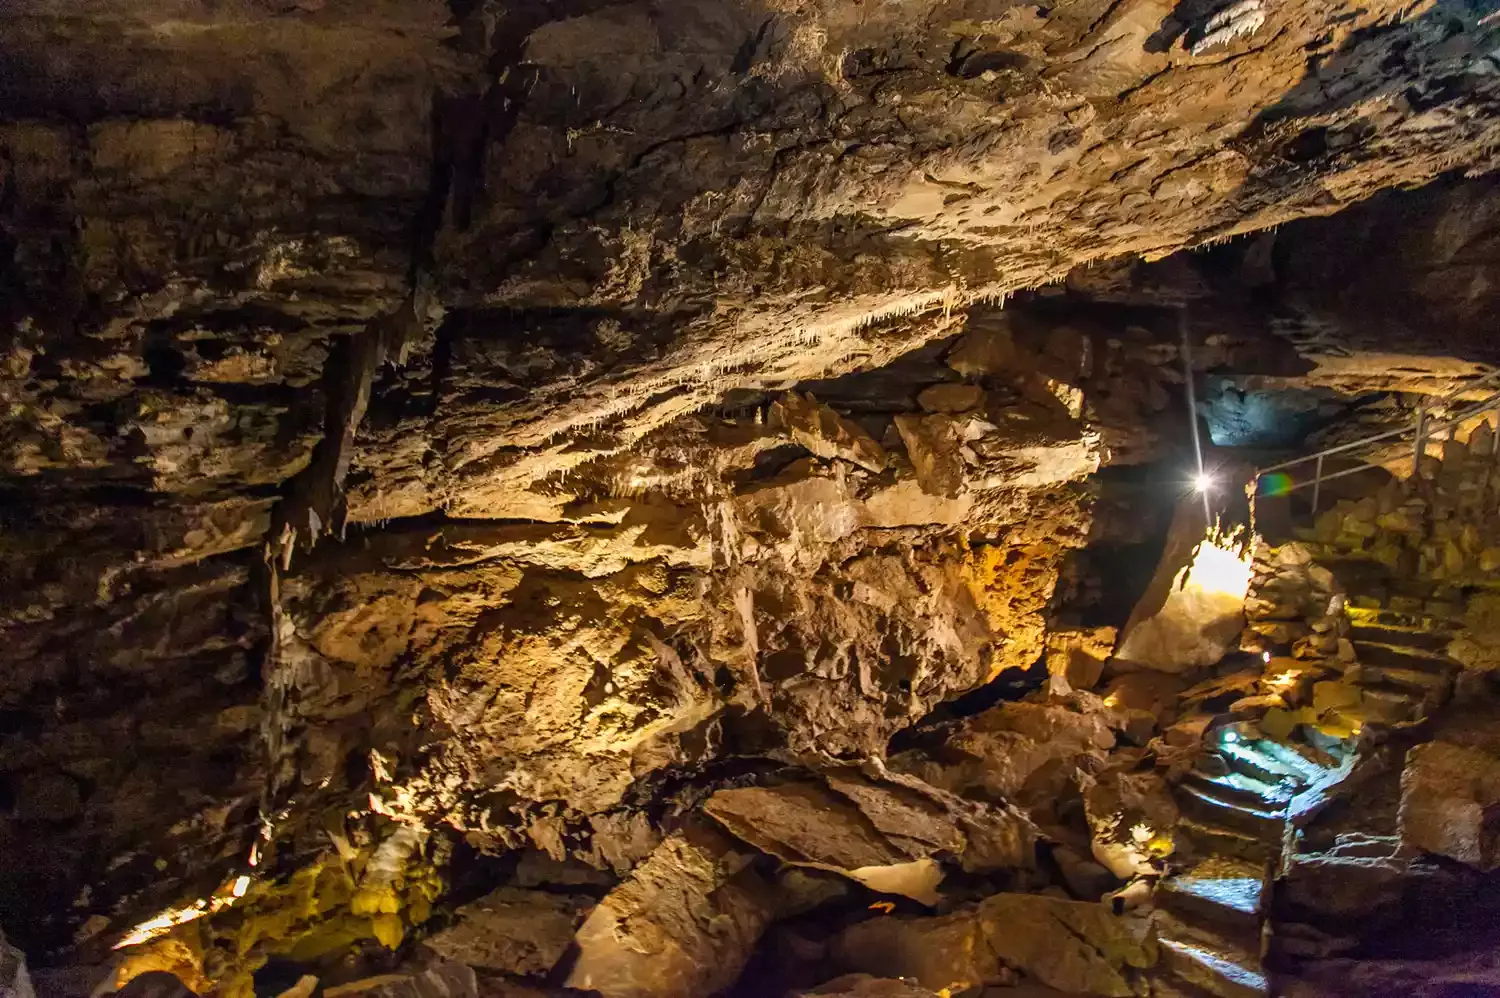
[{"x": 1421, "y": 432}]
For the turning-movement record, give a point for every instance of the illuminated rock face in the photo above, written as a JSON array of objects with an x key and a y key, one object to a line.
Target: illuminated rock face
[
  {"x": 496, "y": 418},
  {"x": 1195, "y": 608}
]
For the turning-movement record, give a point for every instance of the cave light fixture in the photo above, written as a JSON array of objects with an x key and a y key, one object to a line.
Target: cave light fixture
[{"x": 1203, "y": 482}]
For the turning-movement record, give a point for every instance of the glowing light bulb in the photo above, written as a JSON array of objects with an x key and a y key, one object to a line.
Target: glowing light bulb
[
  {"x": 1230, "y": 737},
  {"x": 1265, "y": 656},
  {"x": 1204, "y": 482}
]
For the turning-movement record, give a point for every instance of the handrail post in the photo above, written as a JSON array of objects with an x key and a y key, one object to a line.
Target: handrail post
[
  {"x": 1317, "y": 484},
  {"x": 1421, "y": 443}
]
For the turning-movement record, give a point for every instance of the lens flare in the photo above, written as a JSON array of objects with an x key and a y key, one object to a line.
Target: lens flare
[{"x": 1275, "y": 484}]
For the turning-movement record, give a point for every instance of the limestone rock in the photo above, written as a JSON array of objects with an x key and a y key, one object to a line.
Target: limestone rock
[
  {"x": 951, "y": 398},
  {"x": 933, "y": 444},
  {"x": 1194, "y": 609},
  {"x": 1447, "y": 792},
  {"x": 680, "y": 926},
  {"x": 1086, "y": 880},
  {"x": 808, "y": 823},
  {"x": 1075, "y": 946},
  {"x": 1077, "y": 657},
  {"x": 1477, "y": 645},
  {"x": 430, "y": 271},
  {"x": 513, "y": 930},
  {"x": 947, "y": 951},
  {"x": 913, "y": 823},
  {"x": 986, "y": 351},
  {"x": 1358, "y": 876},
  {"x": 826, "y": 433},
  {"x": 1015, "y": 751}
]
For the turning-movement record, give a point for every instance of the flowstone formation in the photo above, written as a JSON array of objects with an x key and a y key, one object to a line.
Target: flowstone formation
[{"x": 549, "y": 492}]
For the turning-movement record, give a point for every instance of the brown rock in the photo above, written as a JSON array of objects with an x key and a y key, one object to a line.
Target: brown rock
[
  {"x": 682, "y": 925},
  {"x": 826, "y": 433},
  {"x": 513, "y": 930},
  {"x": 810, "y": 824},
  {"x": 950, "y": 397},
  {"x": 907, "y": 819},
  {"x": 1193, "y": 610},
  {"x": 933, "y": 445},
  {"x": 1078, "y": 656},
  {"x": 1359, "y": 875},
  {"x": 1075, "y": 946},
  {"x": 1016, "y": 751},
  {"x": 444, "y": 979},
  {"x": 1447, "y": 791},
  {"x": 989, "y": 350},
  {"x": 943, "y": 952},
  {"x": 1131, "y": 818}
]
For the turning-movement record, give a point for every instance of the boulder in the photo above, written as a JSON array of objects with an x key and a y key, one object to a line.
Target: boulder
[
  {"x": 513, "y": 930},
  {"x": 1193, "y": 611},
  {"x": 1016, "y": 750},
  {"x": 950, "y": 397},
  {"x": 1077, "y": 656},
  {"x": 682, "y": 925},
  {"x": 1078, "y": 947},
  {"x": 915, "y": 824},
  {"x": 824, "y": 432},
  {"x": 808, "y": 824},
  {"x": 1446, "y": 793},
  {"x": 1086, "y": 880},
  {"x": 1477, "y": 646},
  {"x": 986, "y": 350},
  {"x": 1358, "y": 877},
  {"x": 934, "y": 447},
  {"x": 943, "y": 952}
]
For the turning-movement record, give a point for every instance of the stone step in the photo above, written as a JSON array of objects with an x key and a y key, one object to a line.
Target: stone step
[
  {"x": 1391, "y": 706},
  {"x": 1203, "y": 805},
  {"x": 1420, "y": 621},
  {"x": 1207, "y": 839},
  {"x": 1428, "y": 640},
  {"x": 1291, "y": 759},
  {"x": 1222, "y": 891},
  {"x": 1243, "y": 757},
  {"x": 1418, "y": 682},
  {"x": 1237, "y": 788},
  {"x": 1225, "y": 973},
  {"x": 1403, "y": 657}
]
